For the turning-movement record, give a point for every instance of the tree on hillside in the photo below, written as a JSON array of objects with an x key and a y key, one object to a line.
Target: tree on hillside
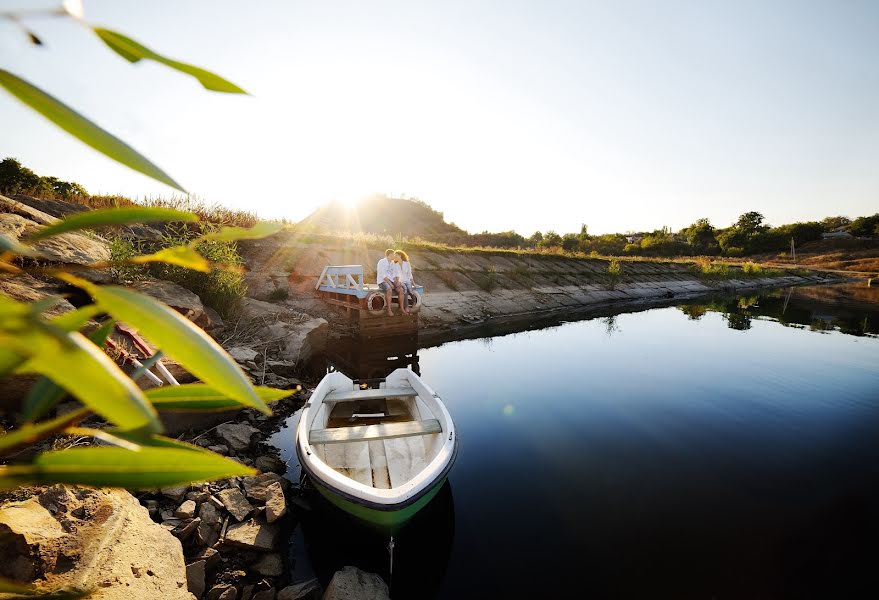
[
  {"x": 535, "y": 239},
  {"x": 864, "y": 226},
  {"x": 550, "y": 240},
  {"x": 15, "y": 178},
  {"x": 831, "y": 223},
  {"x": 701, "y": 236}
]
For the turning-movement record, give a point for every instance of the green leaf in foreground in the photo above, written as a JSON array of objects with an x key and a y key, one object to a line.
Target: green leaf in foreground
[
  {"x": 105, "y": 217},
  {"x": 28, "y": 434},
  {"x": 231, "y": 234},
  {"x": 133, "y": 51},
  {"x": 45, "y": 393},
  {"x": 117, "y": 467},
  {"x": 80, "y": 367},
  {"x": 201, "y": 397},
  {"x": 182, "y": 256},
  {"x": 81, "y": 128},
  {"x": 179, "y": 338}
]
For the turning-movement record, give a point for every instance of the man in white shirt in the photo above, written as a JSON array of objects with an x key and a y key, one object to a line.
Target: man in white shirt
[{"x": 385, "y": 274}]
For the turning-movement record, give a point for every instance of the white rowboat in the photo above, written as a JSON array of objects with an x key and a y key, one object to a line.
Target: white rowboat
[{"x": 379, "y": 454}]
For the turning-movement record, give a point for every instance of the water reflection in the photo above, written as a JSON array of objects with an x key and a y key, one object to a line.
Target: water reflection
[
  {"x": 368, "y": 359},
  {"x": 851, "y": 309},
  {"x": 421, "y": 550}
]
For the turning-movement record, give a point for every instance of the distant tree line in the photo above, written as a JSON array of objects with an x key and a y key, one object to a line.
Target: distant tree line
[
  {"x": 18, "y": 179},
  {"x": 748, "y": 235}
]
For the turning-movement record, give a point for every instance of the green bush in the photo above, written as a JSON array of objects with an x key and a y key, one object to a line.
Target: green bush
[
  {"x": 278, "y": 295},
  {"x": 487, "y": 281},
  {"x": 615, "y": 270}
]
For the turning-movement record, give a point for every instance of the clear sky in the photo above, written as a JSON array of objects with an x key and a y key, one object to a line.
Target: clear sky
[{"x": 621, "y": 114}]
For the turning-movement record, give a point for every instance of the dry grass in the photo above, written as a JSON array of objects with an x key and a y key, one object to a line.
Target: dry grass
[{"x": 210, "y": 213}]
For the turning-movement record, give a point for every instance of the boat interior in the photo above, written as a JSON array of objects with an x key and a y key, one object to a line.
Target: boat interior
[{"x": 379, "y": 438}]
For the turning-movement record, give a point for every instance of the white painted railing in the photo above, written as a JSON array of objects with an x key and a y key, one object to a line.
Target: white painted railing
[{"x": 341, "y": 277}]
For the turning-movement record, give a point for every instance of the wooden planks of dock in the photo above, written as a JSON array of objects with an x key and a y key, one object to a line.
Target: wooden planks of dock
[{"x": 370, "y": 326}]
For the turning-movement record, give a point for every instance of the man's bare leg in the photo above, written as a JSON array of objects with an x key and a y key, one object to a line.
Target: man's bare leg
[{"x": 388, "y": 302}]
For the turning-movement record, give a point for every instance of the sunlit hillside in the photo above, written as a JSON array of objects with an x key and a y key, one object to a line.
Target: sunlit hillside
[{"x": 382, "y": 215}]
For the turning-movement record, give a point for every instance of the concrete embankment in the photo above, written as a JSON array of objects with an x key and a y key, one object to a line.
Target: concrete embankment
[{"x": 472, "y": 287}]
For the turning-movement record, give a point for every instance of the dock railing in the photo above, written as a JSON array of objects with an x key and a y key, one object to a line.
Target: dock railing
[{"x": 342, "y": 279}]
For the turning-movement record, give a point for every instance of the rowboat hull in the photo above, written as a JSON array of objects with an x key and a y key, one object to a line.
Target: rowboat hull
[{"x": 390, "y": 508}]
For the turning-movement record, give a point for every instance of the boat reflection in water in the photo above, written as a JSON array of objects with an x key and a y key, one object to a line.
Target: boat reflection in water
[
  {"x": 414, "y": 568},
  {"x": 415, "y": 565}
]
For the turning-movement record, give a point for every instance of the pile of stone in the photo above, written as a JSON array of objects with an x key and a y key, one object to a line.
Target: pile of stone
[{"x": 233, "y": 534}]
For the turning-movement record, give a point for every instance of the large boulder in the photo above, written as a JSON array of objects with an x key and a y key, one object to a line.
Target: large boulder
[
  {"x": 179, "y": 298},
  {"x": 237, "y": 436},
  {"x": 291, "y": 336},
  {"x": 56, "y": 208},
  {"x": 18, "y": 220},
  {"x": 254, "y": 534},
  {"x": 101, "y": 539},
  {"x": 353, "y": 584}
]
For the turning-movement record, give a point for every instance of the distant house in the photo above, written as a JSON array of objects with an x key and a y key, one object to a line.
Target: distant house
[
  {"x": 634, "y": 239},
  {"x": 835, "y": 235}
]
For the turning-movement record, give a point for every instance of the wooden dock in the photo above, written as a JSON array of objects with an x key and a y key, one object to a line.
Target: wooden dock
[{"x": 343, "y": 285}]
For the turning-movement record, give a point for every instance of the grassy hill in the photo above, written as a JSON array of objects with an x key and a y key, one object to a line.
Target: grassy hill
[{"x": 384, "y": 216}]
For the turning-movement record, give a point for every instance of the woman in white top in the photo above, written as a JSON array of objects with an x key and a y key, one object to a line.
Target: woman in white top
[{"x": 407, "y": 281}]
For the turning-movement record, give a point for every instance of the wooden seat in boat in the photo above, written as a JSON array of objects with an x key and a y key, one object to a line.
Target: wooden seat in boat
[
  {"x": 381, "y": 431},
  {"x": 351, "y": 395}
]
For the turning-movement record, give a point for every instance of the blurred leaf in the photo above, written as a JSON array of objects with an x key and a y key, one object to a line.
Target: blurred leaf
[
  {"x": 133, "y": 52},
  {"x": 117, "y": 467},
  {"x": 104, "y": 217},
  {"x": 9, "y": 361},
  {"x": 103, "y": 435},
  {"x": 182, "y": 256},
  {"x": 29, "y": 433},
  {"x": 156, "y": 441},
  {"x": 75, "y": 319},
  {"x": 231, "y": 234},
  {"x": 45, "y": 393},
  {"x": 83, "y": 369},
  {"x": 81, "y": 128},
  {"x": 179, "y": 338},
  {"x": 201, "y": 397},
  {"x": 8, "y": 244}
]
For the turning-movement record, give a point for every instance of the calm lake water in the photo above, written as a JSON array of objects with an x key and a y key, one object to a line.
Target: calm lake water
[{"x": 724, "y": 448}]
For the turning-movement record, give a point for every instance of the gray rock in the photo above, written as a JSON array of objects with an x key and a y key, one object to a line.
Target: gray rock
[
  {"x": 219, "y": 449},
  {"x": 242, "y": 353},
  {"x": 222, "y": 591},
  {"x": 210, "y": 557},
  {"x": 66, "y": 248},
  {"x": 195, "y": 578},
  {"x": 209, "y": 514},
  {"x": 186, "y": 510},
  {"x": 284, "y": 368},
  {"x": 186, "y": 529},
  {"x": 307, "y": 590},
  {"x": 198, "y": 496},
  {"x": 175, "y": 296},
  {"x": 268, "y": 594},
  {"x": 254, "y": 534},
  {"x": 236, "y": 435},
  {"x": 247, "y": 592},
  {"x": 256, "y": 487},
  {"x": 276, "y": 503},
  {"x": 270, "y": 565},
  {"x": 214, "y": 318},
  {"x": 353, "y": 584},
  {"x": 175, "y": 493},
  {"x": 235, "y": 503},
  {"x": 270, "y": 464}
]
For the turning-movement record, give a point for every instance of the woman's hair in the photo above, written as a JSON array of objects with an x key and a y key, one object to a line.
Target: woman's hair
[{"x": 403, "y": 255}]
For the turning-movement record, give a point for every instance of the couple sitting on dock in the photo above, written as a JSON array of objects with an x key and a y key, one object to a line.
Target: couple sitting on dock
[{"x": 394, "y": 272}]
